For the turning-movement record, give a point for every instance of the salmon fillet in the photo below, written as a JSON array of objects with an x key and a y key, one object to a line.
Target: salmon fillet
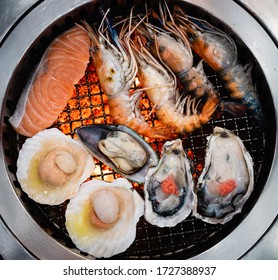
[{"x": 52, "y": 85}]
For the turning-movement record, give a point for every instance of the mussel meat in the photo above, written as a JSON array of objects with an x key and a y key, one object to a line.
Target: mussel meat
[{"x": 119, "y": 147}]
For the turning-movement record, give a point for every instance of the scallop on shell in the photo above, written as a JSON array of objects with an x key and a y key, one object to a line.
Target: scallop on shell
[
  {"x": 101, "y": 220},
  {"x": 169, "y": 187},
  {"x": 51, "y": 167},
  {"x": 119, "y": 147},
  {"x": 227, "y": 179}
]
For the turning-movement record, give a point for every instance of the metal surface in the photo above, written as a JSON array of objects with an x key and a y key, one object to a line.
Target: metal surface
[
  {"x": 10, "y": 247},
  {"x": 266, "y": 12},
  {"x": 266, "y": 53},
  {"x": 19, "y": 220},
  {"x": 266, "y": 248},
  {"x": 11, "y": 12},
  {"x": 265, "y": 210}
]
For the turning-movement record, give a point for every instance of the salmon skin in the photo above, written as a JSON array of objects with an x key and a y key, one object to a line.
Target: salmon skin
[{"x": 52, "y": 85}]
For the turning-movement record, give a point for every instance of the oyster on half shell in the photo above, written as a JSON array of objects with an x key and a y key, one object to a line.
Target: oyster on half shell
[
  {"x": 227, "y": 179},
  {"x": 169, "y": 187},
  {"x": 119, "y": 147}
]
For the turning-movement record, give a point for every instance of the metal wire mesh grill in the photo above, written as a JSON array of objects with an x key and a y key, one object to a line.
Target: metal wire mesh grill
[{"x": 89, "y": 105}]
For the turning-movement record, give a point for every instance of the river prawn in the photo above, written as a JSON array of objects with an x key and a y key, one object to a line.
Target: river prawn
[
  {"x": 116, "y": 68},
  {"x": 219, "y": 51},
  {"x": 170, "y": 46},
  {"x": 179, "y": 60},
  {"x": 160, "y": 87}
]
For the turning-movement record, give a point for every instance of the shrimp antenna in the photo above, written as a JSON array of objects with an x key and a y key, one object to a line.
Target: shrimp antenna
[
  {"x": 201, "y": 25},
  {"x": 109, "y": 23}
]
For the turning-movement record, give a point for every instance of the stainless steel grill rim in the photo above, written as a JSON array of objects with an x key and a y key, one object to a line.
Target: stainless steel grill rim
[{"x": 64, "y": 254}]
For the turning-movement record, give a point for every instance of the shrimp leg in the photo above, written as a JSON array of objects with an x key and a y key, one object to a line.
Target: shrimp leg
[
  {"x": 160, "y": 86},
  {"x": 116, "y": 69}
]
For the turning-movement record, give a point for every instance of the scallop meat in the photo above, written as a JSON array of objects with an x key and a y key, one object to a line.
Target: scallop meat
[
  {"x": 51, "y": 166},
  {"x": 101, "y": 220}
]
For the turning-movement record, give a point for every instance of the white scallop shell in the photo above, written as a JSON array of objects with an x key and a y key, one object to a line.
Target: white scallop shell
[
  {"x": 104, "y": 242},
  {"x": 28, "y": 160}
]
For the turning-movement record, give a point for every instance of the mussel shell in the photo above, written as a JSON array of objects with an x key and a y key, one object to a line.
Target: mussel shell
[{"x": 91, "y": 135}]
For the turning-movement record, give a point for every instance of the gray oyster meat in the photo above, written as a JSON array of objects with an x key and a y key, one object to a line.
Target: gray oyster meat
[
  {"x": 168, "y": 187},
  {"x": 227, "y": 179}
]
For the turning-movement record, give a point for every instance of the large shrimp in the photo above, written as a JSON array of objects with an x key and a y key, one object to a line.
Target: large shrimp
[
  {"x": 116, "y": 69},
  {"x": 220, "y": 52},
  {"x": 173, "y": 49},
  {"x": 160, "y": 87}
]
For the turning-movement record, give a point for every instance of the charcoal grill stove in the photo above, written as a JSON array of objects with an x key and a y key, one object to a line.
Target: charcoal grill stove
[{"x": 30, "y": 231}]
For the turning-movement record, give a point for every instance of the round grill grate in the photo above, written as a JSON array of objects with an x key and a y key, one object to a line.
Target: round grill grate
[{"x": 89, "y": 105}]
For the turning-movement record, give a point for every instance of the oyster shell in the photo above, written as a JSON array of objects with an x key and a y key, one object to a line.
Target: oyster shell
[
  {"x": 119, "y": 147},
  {"x": 51, "y": 167},
  {"x": 169, "y": 187},
  {"x": 227, "y": 179},
  {"x": 101, "y": 219}
]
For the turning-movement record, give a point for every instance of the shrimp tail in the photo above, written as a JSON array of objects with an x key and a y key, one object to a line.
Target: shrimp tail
[
  {"x": 131, "y": 117},
  {"x": 209, "y": 107},
  {"x": 234, "y": 108},
  {"x": 239, "y": 83},
  {"x": 162, "y": 132}
]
